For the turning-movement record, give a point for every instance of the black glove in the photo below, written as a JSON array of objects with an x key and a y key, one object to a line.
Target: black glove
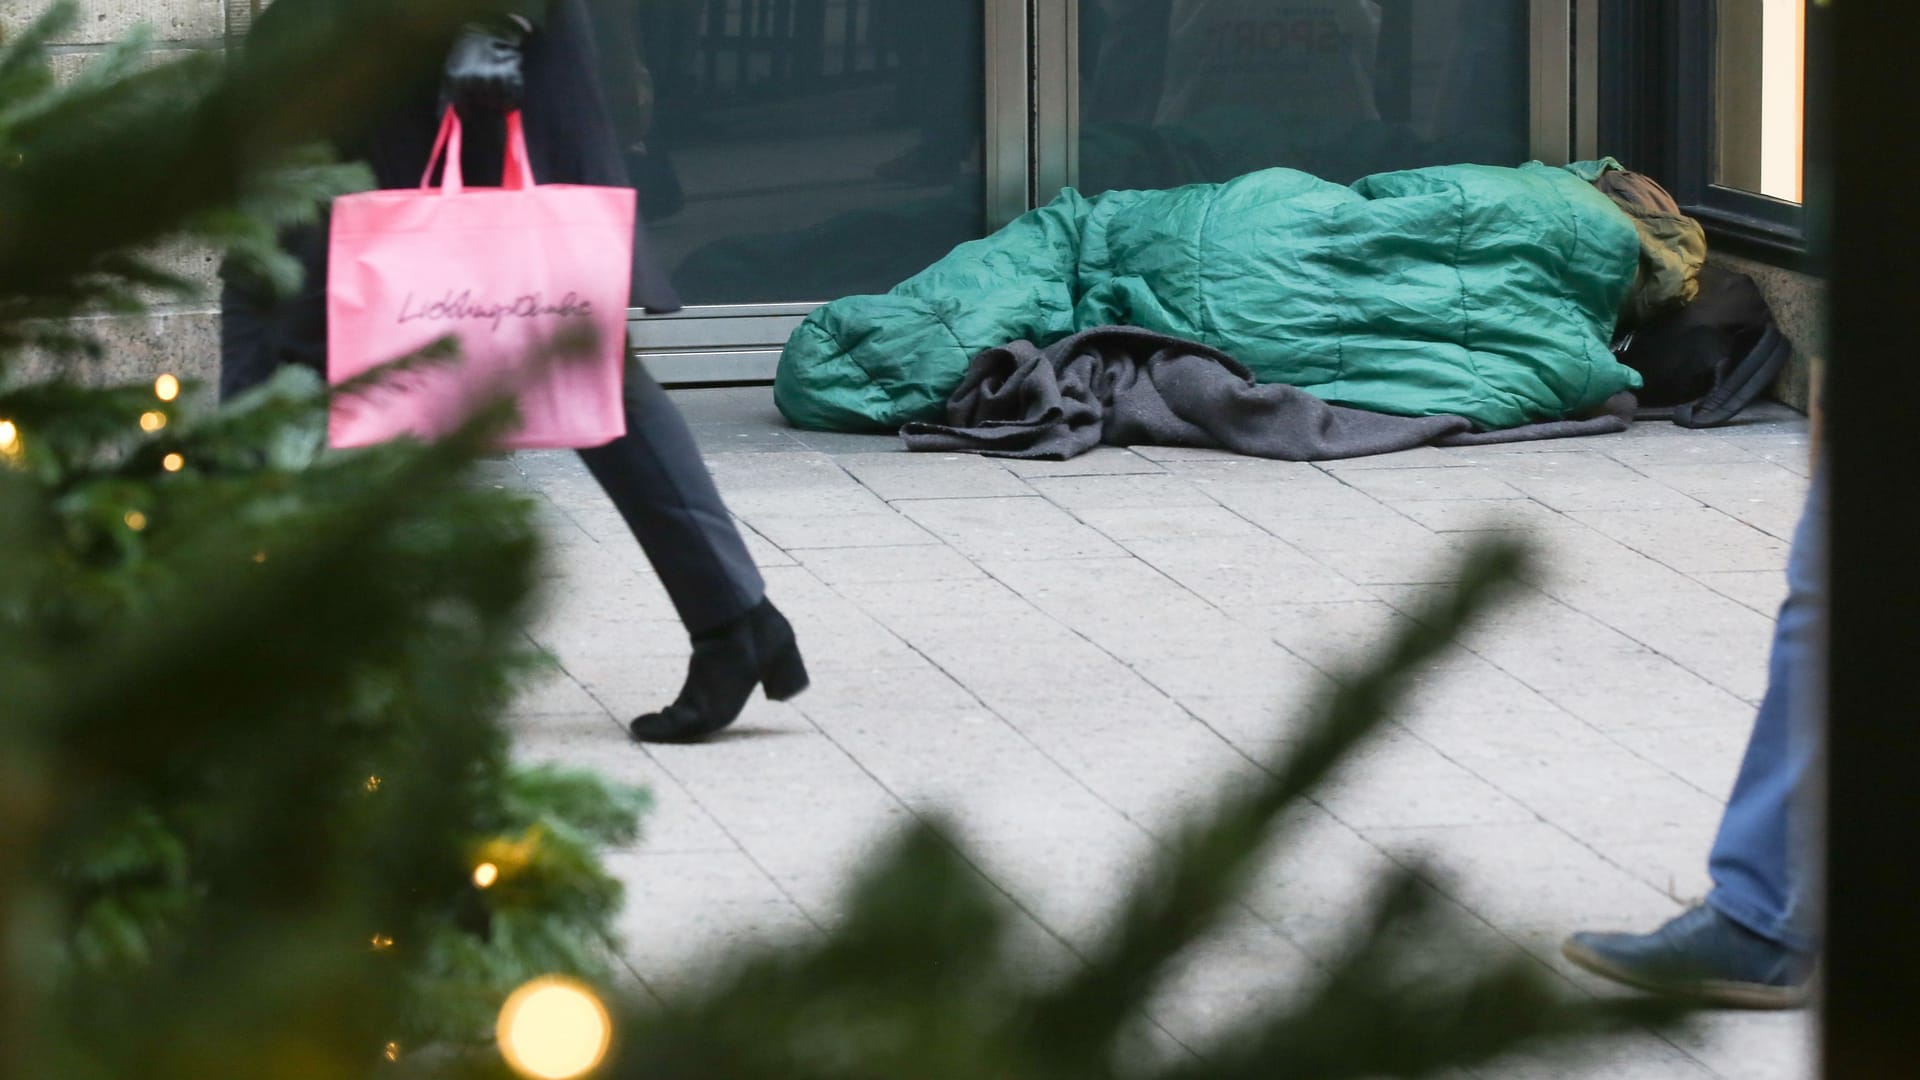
[{"x": 485, "y": 68}]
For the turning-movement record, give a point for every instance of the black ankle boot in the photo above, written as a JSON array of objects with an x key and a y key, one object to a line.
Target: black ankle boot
[{"x": 757, "y": 649}]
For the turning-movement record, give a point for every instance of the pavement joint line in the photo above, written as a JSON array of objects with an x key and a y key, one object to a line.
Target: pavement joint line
[
  {"x": 1149, "y": 834},
  {"x": 646, "y": 985},
  {"x": 1265, "y": 766},
  {"x": 1522, "y": 679},
  {"x": 1546, "y": 588},
  {"x": 1666, "y": 891},
  {"x": 1657, "y": 558},
  {"x": 999, "y": 887},
  {"x": 933, "y": 662},
  {"x": 718, "y": 820},
  {"x": 965, "y": 855},
  {"x": 1657, "y": 651},
  {"x": 947, "y": 498},
  {"x": 1419, "y": 869},
  {"x": 1635, "y": 459}
]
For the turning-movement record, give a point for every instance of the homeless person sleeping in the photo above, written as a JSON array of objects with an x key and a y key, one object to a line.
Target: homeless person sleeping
[{"x": 1276, "y": 314}]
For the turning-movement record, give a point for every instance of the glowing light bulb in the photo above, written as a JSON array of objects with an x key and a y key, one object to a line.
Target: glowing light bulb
[
  {"x": 485, "y": 875},
  {"x": 9, "y": 435},
  {"x": 373, "y": 782},
  {"x": 381, "y": 942},
  {"x": 135, "y": 520},
  {"x": 152, "y": 421},
  {"x": 554, "y": 1029},
  {"x": 392, "y": 1051},
  {"x": 173, "y": 462},
  {"x": 166, "y": 388}
]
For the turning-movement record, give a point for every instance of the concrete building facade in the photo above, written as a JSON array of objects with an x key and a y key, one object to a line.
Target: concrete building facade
[{"x": 744, "y": 131}]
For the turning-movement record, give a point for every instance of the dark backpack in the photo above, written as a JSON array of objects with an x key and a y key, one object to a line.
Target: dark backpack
[{"x": 1713, "y": 357}]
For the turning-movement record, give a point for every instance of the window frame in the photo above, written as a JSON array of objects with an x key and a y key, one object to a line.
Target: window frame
[{"x": 1657, "y": 116}]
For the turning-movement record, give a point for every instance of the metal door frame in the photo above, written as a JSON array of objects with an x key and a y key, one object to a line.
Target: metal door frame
[{"x": 1032, "y": 144}]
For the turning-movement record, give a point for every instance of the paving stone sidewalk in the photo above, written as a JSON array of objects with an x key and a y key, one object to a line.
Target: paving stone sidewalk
[{"x": 1060, "y": 656}]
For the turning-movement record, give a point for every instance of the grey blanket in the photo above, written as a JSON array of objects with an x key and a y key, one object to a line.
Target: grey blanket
[{"x": 1124, "y": 386}]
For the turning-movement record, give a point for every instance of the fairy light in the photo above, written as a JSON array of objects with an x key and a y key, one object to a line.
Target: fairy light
[
  {"x": 153, "y": 421},
  {"x": 392, "y": 1051},
  {"x": 166, "y": 388},
  {"x": 485, "y": 875},
  {"x": 373, "y": 782},
  {"x": 260, "y": 557},
  {"x": 554, "y": 1029},
  {"x": 135, "y": 520},
  {"x": 380, "y": 942},
  {"x": 512, "y": 854},
  {"x": 10, "y": 448},
  {"x": 173, "y": 462}
]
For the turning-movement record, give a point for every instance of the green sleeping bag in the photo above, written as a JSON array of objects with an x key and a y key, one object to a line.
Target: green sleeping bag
[{"x": 1474, "y": 291}]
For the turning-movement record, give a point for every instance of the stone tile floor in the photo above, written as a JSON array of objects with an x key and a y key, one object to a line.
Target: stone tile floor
[{"x": 1061, "y": 656}]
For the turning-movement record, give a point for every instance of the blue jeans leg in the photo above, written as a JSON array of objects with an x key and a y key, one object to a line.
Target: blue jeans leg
[{"x": 1761, "y": 859}]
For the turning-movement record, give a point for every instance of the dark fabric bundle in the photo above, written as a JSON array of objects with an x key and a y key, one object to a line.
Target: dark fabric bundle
[
  {"x": 1711, "y": 358},
  {"x": 1124, "y": 386}
]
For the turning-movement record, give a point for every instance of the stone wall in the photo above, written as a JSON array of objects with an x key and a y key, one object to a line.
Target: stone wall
[
  {"x": 183, "y": 338},
  {"x": 1799, "y": 303}
]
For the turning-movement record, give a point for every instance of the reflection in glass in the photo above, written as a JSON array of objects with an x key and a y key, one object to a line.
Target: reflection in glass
[
  {"x": 1759, "y": 90},
  {"x": 1184, "y": 91},
  {"x": 798, "y": 150}
]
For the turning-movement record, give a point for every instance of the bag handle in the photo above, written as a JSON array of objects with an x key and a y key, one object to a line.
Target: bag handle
[
  {"x": 447, "y": 143},
  {"x": 517, "y": 169},
  {"x": 516, "y": 166},
  {"x": 1741, "y": 382}
]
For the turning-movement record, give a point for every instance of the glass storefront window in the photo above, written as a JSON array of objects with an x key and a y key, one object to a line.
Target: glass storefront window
[
  {"x": 1759, "y": 96},
  {"x": 798, "y": 150},
  {"x": 1183, "y": 91}
]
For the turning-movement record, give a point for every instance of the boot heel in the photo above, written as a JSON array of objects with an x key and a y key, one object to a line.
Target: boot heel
[{"x": 784, "y": 674}]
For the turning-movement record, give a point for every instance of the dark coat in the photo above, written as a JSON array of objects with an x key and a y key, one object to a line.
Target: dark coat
[{"x": 569, "y": 136}]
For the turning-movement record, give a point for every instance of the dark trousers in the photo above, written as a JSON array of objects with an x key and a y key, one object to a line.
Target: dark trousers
[{"x": 653, "y": 474}]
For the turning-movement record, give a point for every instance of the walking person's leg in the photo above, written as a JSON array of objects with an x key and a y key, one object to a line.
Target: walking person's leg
[
  {"x": 1753, "y": 943},
  {"x": 261, "y": 331},
  {"x": 1758, "y": 863},
  {"x": 657, "y": 480},
  {"x": 653, "y": 474}
]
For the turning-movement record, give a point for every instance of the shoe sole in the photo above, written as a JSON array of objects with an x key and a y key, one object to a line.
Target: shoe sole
[{"x": 1716, "y": 992}]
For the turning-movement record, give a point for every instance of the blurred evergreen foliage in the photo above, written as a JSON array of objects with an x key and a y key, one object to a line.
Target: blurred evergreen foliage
[
  {"x": 250, "y": 701},
  {"x": 253, "y": 691}
]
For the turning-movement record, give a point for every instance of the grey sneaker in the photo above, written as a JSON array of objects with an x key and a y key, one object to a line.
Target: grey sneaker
[{"x": 1701, "y": 957}]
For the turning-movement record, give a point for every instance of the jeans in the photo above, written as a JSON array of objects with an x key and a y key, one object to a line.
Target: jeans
[{"x": 1762, "y": 859}]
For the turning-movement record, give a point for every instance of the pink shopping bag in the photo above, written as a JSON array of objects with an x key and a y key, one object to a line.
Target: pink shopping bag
[{"x": 506, "y": 271}]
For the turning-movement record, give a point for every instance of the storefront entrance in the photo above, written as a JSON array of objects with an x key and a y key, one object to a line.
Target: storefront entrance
[{"x": 789, "y": 152}]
